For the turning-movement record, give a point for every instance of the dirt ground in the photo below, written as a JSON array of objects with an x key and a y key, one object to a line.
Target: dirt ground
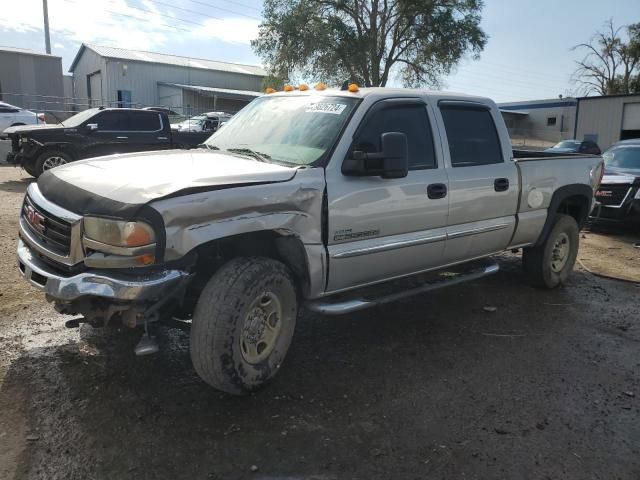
[{"x": 547, "y": 386}]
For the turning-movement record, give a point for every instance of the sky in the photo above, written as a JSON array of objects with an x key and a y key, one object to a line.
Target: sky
[{"x": 528, "y": 55}]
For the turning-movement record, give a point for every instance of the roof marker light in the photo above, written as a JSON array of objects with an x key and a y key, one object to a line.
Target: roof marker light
[
  {"x": 270, "y": 90},
  {"x": 288, "y": 88},
  {"x": 303, "y": 87},
  {"x": 353, "y": 88},
  {"x": 321, "y": 86}
]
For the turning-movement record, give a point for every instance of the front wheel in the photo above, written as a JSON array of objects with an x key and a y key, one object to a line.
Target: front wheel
[
  {"x": 548, "y": 265},
  {"x": 50, "y": 159},
  {"x": 243, "y": 324}
]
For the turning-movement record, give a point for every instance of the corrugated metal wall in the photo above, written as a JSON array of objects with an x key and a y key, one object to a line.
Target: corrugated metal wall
[
  {"x": 31, "y": 81},
  {"x": 601, "y": 118},
  {"x": 141, "y": 79},
  {"x": 88, "y": 64}
]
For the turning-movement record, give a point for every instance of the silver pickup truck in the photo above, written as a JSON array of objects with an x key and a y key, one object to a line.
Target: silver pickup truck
[{"x": 330, "y": 200}]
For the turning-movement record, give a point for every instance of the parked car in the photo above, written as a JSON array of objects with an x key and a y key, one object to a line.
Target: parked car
[
  {"x": 321, "y": 200},
  {"x": 94, "y": 133},
  {"x": 575, "y": 146},
  {"x": 206, "y": 122},
  {"x": 618, "y": 197},
  {"x": 10, "y": 116}
]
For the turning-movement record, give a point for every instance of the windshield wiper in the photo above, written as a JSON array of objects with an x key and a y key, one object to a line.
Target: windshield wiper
[
  {"x": 207, "y": 146},
  {"x": 262, "y": 157}
]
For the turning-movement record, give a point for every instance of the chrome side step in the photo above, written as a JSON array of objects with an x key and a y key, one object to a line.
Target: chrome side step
[{"x": 343, "y": 305}]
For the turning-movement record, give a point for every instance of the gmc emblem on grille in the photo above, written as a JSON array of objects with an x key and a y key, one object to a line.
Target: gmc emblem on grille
[
  {"x": 34, "y": 218},
  {"x": 604, "y": 193}
]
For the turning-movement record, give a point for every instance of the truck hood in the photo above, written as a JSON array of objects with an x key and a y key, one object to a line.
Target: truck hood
[
  {"x": 612, "y": 177},
  {"x": 117, "y": 185},
  {"x": 30, "y": 128}
]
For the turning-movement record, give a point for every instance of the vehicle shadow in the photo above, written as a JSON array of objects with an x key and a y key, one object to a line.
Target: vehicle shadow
[
  {"x": 19, "y": 186},
  {"x": 373, "y": 394}
]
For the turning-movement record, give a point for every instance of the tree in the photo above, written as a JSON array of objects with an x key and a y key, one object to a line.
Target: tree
[
  {"x": 369, "y": 41},
  {"x": 611, "y": 64}
]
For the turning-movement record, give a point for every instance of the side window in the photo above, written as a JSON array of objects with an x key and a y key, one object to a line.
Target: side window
[
  {"x": 472, "y": 135},
  {"x": 4, "y": 109},
  {"x": 113, "y": 121},
  {"x": 412, "y": 120},
  {"x": 144, "y": 121}
]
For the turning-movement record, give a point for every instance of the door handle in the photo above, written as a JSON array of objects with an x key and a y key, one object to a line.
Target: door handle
[
  {"x": 122, "y": 138},
  {"x": 501, "y": 184},
  {"x": 436, "y": 190}
]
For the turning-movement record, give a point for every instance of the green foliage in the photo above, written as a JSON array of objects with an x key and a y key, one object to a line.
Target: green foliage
[{"x": 368, "y": 42}]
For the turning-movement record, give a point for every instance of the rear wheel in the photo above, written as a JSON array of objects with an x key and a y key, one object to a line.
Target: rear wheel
[
  {"x": 243, "y": 324},
  {"x": 549, "y": 264},
  {"x": 50, "y": 159}
]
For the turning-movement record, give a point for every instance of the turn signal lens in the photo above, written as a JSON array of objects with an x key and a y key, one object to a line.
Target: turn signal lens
[
  {"x": 288, "y": 88},
  {"x": 353, "y": 88},
  {"x": 303, "y": 87},
  {"x": 146, "y": 259},
  {"x": 321, "y": 86},
  {"x": 270, "y": 90}
]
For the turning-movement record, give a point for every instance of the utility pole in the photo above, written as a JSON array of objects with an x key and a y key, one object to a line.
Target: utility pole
[{"x": 45, "y": 11}]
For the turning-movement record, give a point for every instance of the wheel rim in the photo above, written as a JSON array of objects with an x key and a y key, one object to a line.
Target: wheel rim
[
  {"x": 262, "y": 325},
  {"x": 560, "y": 252},
  {"x": 53, "y": 162}
]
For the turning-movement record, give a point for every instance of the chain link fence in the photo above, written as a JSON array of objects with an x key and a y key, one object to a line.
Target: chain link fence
[{"x": 58, "y": 109}]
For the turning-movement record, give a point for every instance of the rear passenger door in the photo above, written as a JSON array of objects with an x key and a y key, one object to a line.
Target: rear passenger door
[
  {"x": 483, "y": 184},
  {"x": 147, "y": 131},
  {"x": 383, "y": 228}
]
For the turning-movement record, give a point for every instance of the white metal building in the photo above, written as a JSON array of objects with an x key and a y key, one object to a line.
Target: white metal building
[
  {"x": 120, "y": 77},
  {"x": 548, "y": 120},
  {"x": 608, "y": 119},
  {"x": 31, "y": 79}
]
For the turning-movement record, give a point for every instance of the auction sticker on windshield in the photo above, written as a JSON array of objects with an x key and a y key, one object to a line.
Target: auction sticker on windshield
[{"x": 334, "y": 108}]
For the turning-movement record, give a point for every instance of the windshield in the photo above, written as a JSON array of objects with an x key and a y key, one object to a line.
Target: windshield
[
  {"x": 297, "y": 130},
  {"x": 625, "y": 158},
  {"x": 79, "y": 118},
  {"x": 567, "y": 144}
]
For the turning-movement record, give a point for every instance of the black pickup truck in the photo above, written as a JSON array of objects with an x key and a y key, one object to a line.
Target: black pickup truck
[{"x": 94, "y": 133}]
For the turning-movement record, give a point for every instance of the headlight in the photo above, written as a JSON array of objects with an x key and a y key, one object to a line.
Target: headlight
[
  {"x": 637, "y": 195},
  {"x": 118, "y": 233},
  {"x": 118, "y": 244}
]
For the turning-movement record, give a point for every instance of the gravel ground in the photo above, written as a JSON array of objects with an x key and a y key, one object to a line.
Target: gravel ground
[{"x": 547, "y": 386}]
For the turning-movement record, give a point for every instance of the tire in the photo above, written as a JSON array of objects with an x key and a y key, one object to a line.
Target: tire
[
  {"x": 237, "y": 342},
  {"x": 50, "y": 159},
  {"x": 548, "y": 265},
  {"x": 29, "y": 169}
]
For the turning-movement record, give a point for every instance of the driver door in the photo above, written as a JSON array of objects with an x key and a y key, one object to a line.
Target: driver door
[{"x": 383, "y": 228}]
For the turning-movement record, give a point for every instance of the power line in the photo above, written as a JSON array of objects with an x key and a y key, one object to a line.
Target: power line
[
  {"x": 203, "y": 14},
  {"x": 228, "y": 1},
  {"x": 120, "y": 14}
]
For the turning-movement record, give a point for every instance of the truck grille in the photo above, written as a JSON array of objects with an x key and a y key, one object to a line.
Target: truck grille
[
  {"x": 612, "y": 195},
  {"x": 52, "y": 232}
]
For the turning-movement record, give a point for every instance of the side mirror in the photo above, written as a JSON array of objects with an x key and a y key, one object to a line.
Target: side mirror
[
  {"x": 392, "y": 162},
  {"x": 92, "y": 127}
]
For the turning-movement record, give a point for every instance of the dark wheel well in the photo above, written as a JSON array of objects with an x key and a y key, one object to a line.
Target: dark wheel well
[
  {"x": 576, "y": 206},
  {"x": 210, "y": 256},
  {"x": 573, "y": 200}
]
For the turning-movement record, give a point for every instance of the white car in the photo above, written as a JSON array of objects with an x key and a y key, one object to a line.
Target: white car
[
  {"x": 11, "y": 116},
  {"x": 210, "y": 121}
]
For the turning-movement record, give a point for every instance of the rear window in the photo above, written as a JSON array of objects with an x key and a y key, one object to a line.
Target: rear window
[
  {"x": 472, "y": 136},
  {"x": 144, "y": 122}
]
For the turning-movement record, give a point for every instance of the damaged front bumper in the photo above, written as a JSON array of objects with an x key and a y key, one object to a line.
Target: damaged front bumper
[{"x": 147, "y": 287}]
